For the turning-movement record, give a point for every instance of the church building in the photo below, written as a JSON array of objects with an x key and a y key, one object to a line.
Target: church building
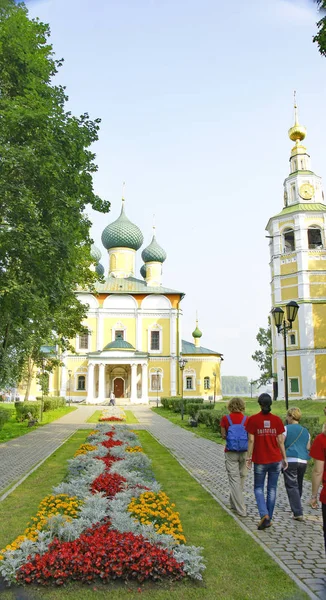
[
  {"x": 134, "y": 346},
  {"x": 298, "y": 272}
]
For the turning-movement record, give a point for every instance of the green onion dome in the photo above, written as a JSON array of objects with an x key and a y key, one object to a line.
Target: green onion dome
[
  {"x": 99, "y": 269},
  {"x": 153, "y": 252},
  {"x": 119, "y": 345},
  {"x": 122, "y": 233},
  {"x": 197, "y": 333},
  {"x": 96, "y": 254},
  {"x": 143, "y": 271}
]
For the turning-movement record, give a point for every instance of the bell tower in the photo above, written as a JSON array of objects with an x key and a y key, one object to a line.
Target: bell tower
[{"x": 298, "y": 272}]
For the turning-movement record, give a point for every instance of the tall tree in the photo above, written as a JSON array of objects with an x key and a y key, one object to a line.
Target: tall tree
[
  {"x": 264, "y": 356},
  {"x": 320, "y": 38},
  {"x": 46, "y": 182}
]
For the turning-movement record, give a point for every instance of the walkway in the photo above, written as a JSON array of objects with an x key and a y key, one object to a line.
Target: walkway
[
  {"x": 20, "y": 455},
  {"x": 297, "y": 546}
]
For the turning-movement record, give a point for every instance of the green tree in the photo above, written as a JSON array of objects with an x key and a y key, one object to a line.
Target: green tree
[
  {"x": 46, "y": 171},
  {"x": 263, "y": 357},
  {"x": 320, "y": 38}
]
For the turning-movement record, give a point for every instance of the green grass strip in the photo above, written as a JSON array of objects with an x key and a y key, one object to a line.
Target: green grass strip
[
  {"x": 17, "y": 509},
  {"x": 13, "y": 429},
  {"x": 237, "y": 568}
]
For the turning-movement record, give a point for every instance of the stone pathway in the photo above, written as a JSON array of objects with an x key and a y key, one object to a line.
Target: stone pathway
[
  {"x": 298, "y": 547},
  {"x": 20, "y": 455}
]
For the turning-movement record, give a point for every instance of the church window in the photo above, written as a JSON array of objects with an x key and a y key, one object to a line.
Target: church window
[
  {"x": 288, "y": 239},
  {"x": 155, "y": 340},
  {"x": 314, "y": 238},
  {"x": 292, "y": 339},
  {"x": 83, "y": 341},
  {"x": 207, "y": 383},
  {"x": 294, "y": 385},
  {"x": 293, "y": 194},
  {"x": 302, "y": 165},
  {"x": 119, "y": 334},
  {"x": 189, "y": 383},
  {"x": 81, "y": 383},
  {"x": 156, "y": 382}
]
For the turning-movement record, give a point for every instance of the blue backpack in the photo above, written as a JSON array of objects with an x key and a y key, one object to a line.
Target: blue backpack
[{"x": 236, "y": 437}]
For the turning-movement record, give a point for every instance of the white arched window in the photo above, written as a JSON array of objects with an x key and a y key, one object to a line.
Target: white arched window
[
  {"x": 81, "y": 383},
  {"x": 119, "y": 332},
  {"x": 207, "y": 383},
  {"x": 288, "y": 241},
  {"x": 155, "y": 342},
  {"x": 189, "y": 379},
  {"x": 315, "y": 240}
]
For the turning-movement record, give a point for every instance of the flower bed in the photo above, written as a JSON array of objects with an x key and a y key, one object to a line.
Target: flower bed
[{"x": 109, "y": 520}]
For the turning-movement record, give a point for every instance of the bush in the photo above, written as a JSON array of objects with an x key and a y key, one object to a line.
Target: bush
[
  {"x": 214, "y": 419},
  {"x": 4, "y": 417},
  {"x": 166, "y": 401},
  {"x": 52, "y": 402},
  {"x": 312, "y": 424},
  {"x": 203, "y": 415},
  {"x": 192, "y": 408},
  {"x": 23, "y": 408},
  {"x": 174, "y": 402}
]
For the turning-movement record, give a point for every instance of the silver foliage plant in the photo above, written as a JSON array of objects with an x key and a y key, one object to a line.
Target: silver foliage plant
[{"x": 83, "y": 470}]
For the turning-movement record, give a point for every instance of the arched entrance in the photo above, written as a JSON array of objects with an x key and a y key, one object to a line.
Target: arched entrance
[{"x": 119, "y": 387}]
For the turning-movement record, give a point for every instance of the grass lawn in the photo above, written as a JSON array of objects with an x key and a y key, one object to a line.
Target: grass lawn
[
  {"x": 201, "y": 430},
  {"x": 237, "y": 568},
  {"x": 130, "y": 417},
  {"x": 22, "y": 503},
  {"x": 13, "y": 429}
]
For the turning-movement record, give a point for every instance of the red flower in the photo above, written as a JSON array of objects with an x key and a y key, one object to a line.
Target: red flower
[
  {"x": 101, "y": 554},
  {"x": 109, "y": 483}
]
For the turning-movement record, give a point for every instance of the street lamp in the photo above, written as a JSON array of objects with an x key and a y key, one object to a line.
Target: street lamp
[
  {"x": 182, "y": 364},
  {"x": 278, "y": 315},
  {"x": 69, "y": 381},
  {"x": 251, "y": 383},
  {"x": 214, "y": 375}
]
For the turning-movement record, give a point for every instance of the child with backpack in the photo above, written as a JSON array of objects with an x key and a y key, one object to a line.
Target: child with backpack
[{"x": 234, "y": 432}]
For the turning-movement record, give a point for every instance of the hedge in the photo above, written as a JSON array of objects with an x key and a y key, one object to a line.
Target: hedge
[
  {"x": 174, "y": 402},
  {"x": 22, "y": 408},
  {"x": 4, "y": 417},
  {"x": 192, "y": 408},
  {"x": 52, "y": 402}
]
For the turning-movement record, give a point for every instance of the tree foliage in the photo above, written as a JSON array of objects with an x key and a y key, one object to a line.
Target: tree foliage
[
  {"x": 235, "y": 384},
  {"x": 46, "y": 171},
  {"x": 320, "y": 37},
  {"x": 263, "y": 357}
]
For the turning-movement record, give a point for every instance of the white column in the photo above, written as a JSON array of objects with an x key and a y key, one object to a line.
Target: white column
[
  {"x": 133, "y": 395},
  {"x": 100, "y": 331},
  {"x": 63, "y": 385},
  {"x": 139, "y": 326},
  {"x": 90, "y": 384},
  {"x": 173, "y": 376},
  {"x": 144, "y": 383},
  {"x": 173, "y": 332},
  {"x": 101, "y": 383}
]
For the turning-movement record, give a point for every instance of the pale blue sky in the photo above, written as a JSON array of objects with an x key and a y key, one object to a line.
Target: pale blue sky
[{"x": 196, "y": 97}]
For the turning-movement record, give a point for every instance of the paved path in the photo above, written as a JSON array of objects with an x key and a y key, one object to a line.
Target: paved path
[
  {"x": 20, "y": 455},
  {"x": 299, "y": 546}
]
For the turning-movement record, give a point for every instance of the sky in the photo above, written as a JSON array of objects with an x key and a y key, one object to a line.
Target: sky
[{"x": 196, "y": 98}]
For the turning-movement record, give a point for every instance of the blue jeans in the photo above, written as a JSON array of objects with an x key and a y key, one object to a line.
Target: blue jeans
[{"x": 266, "y": 507}]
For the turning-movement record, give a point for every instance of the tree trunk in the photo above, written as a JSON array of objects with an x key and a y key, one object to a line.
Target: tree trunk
[{"x": 29, "y": 378}]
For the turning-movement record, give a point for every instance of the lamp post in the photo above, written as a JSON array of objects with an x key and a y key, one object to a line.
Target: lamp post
[
  {"x": 69, "y": 382},
  {"x": 251, "y": 383},
  {"x": 278, "y": 315},
  {"x": 182, "y": 364},
  {"x": 214, "y": 375}
]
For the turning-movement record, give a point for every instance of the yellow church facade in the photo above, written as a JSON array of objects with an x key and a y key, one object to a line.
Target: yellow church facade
[
  {"x": 298, "y": 272},
  {"x": 134, "y": 342}
]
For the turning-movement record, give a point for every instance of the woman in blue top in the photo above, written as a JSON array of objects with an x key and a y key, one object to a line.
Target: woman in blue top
[{"x": 297, "y": 445}]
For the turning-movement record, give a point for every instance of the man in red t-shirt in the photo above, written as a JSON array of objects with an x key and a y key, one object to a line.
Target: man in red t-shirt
[
  {"x": 318, "y": 453},
  {"x": 266, "y": 450}
]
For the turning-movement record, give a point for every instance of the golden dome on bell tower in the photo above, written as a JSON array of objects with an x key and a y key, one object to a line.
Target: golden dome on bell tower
[{"x": 298, "y": 132}]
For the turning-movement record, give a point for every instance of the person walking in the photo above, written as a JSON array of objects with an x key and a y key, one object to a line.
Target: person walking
[
  {"x": 297, "y": 445},
  {"x": 233, "y": 431},
  {"x": 112, "y": 398},
  {"x": 318, "y": 453},
  {"x": 266, "y": 450}
]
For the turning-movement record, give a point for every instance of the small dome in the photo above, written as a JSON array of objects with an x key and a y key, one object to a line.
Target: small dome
[
  {"x": 197, "y": 333},
  {"x": 297, "y": 132},
  {"x": 96, "y": 254},
  {"x": 153, "y": 252},
  {"x": 119, "y": 344},
  {"x": 122, "y": 233},
  {"x": 143, "y": 271},
  {"x": 99, "y": 269}
]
